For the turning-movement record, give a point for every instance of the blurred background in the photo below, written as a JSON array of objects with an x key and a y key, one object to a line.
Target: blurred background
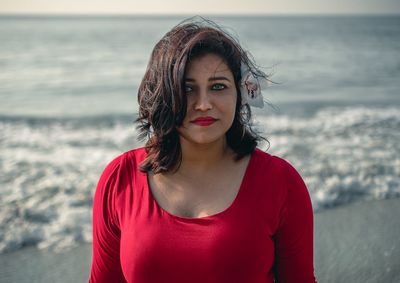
[{"x": 69, "y": 73}]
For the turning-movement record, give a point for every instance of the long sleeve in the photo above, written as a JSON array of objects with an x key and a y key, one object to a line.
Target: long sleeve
[
  {"x": 294, "y": 237},
  {"x": 106, "y": 266}
]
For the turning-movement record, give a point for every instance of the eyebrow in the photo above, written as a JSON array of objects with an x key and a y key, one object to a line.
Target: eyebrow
[{"x": 221, "y": 78}]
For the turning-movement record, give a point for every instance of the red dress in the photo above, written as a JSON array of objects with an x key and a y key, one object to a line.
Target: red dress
[{"x": 266, "y": 234}]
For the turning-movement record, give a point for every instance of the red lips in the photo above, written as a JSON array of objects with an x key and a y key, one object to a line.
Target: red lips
[{"x": 203, "y": 121}]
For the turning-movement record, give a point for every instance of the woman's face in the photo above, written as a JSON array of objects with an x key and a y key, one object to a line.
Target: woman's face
[{"x": 211, "y": 100}]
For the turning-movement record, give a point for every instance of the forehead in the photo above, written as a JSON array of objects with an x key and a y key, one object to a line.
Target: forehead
[{"x": 207, "y": 64}]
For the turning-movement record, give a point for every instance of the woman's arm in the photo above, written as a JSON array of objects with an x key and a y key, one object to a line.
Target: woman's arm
[
  {"x": 294, "y": 238},
  {"x": 106, "y": 266}
]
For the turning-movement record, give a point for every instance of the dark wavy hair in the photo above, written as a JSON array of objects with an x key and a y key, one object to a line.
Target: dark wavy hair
[{"x": 162, "y": 98}]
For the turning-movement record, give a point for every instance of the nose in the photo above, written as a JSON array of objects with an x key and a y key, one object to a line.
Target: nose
[{"x": 203, "y": 101}]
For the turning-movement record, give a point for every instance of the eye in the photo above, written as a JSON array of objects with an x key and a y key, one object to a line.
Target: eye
[
  {"x": 218, "y": 87},
  {"x": 188, "y": 88}
]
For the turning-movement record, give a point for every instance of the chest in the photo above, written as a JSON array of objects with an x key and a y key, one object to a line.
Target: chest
[
  {"x": 203, "y": 250},
  {"x": 197, "y": 197}
]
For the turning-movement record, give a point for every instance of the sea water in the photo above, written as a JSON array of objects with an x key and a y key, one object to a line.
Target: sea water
[{"x": 68, "y": 102}]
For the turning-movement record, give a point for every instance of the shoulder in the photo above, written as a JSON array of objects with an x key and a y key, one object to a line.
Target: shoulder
[
  {"x": 136, "y": 155},
  {"x": 118, "y": 178},
  {"x": 291, "y": 195},
  {"x": 278, "y": 171},
  {"x": 121, "y": 168},
  {"x": 133, "y": 156},
  {"x": 264, "y": 159}
]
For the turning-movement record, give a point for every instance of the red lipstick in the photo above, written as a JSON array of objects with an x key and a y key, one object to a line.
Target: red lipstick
[{"x": 204, "y": 121}]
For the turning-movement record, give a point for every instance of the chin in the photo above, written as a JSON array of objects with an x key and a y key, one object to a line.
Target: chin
[{"x": 203, "y": 139}]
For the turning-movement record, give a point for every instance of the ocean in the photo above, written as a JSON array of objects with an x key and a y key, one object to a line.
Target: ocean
[{"x": 68, "y": 88}]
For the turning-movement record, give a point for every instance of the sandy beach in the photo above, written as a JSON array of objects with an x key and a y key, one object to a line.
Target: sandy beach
[
  {"x": 359, "y": 243},
  {"x": 355, "y": 243}
]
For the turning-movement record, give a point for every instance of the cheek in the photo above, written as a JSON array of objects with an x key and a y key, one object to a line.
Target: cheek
[
  {"x": 232, "y": 104},
  {"x": 189, "y": 107}
]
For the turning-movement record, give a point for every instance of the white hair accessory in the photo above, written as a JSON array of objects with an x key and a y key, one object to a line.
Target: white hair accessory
[{"x": 251, "y": 87}]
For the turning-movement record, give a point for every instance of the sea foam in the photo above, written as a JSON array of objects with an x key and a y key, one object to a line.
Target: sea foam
[{"x": 50, "y": 167}]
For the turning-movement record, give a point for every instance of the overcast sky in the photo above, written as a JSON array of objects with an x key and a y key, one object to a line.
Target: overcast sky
[{"x": 201, "y": 6}]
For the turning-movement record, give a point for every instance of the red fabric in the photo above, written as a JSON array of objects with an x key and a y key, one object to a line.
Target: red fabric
[{"x": 266, "y": 234}]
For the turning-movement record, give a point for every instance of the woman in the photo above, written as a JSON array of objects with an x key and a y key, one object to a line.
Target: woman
[{"x": 200, "y": 203}]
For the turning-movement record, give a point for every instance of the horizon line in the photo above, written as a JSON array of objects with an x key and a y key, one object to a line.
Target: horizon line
[{"x": 56, "y": 14}]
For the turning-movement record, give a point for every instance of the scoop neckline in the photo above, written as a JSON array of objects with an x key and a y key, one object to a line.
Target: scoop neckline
[{"x": 229, "y": 208}]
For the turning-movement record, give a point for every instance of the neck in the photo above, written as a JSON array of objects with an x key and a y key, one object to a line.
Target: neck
[{"x": 203, "y": 157}]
